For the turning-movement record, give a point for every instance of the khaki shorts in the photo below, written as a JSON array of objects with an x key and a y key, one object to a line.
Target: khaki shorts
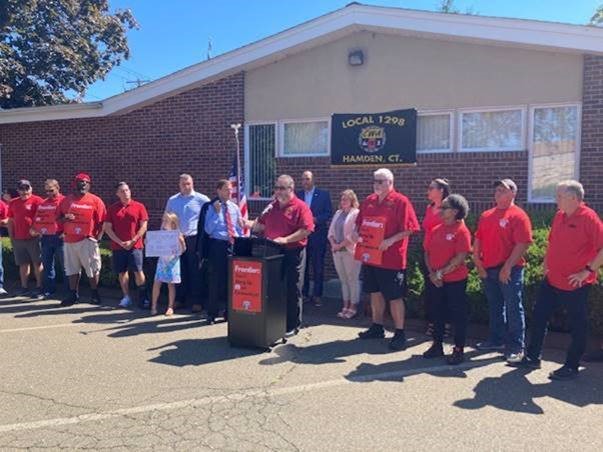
[
  {"x": 83, "y": 254},
  {"x": 27, "y": 251}
]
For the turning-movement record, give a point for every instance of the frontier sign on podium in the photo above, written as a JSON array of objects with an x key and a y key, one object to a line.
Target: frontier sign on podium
[{"x": 247, "y": 286}]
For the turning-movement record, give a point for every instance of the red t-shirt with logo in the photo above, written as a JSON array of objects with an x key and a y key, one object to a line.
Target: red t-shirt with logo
[
  {"x": 498, "y": 231},
  {"x": 3, "y": 210},
  {"x": 90, "y": 213},
  {"x": 574, "y": 242},
  {"x": 398, "y": 215},
  {"x": 22, "y": 212},
  {"x": 445, "y": 242},
  {"x": 45, "y": 219},
  {"x": 126, "y": 221},
  {"x": 430, "y": 221},
  {"x": 282, "y": 221}
]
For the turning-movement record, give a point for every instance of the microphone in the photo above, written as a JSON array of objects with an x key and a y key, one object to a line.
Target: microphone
[{"x": 266, "y": 210}]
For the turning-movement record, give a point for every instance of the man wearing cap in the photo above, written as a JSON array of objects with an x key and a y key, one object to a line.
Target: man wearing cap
[
  {"x": 571, "y": 264},
  {"x": 503, "y": 235},
  {"x": 3, "y": 222},
  {"x": 82, "y": 215},
  {"x": 50, "y": 231},
  {"x": 126, "y": 224},
  {"x": 26, "y": 248},
  {"x": 187, "y": 206}
]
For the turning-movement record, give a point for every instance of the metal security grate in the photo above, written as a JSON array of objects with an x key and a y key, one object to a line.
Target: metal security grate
[{"x": 261, "y": 153}]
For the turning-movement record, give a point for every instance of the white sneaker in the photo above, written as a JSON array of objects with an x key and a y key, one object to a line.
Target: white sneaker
[
  {"x": 3, "y": 291},
  {"x": 515, "y": 357},
  {"x": 125, "y": 302}
]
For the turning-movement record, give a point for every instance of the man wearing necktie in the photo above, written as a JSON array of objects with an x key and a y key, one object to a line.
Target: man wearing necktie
[
  {"x": 222, "y": 225},
  {"x": 319, "y": 202}
]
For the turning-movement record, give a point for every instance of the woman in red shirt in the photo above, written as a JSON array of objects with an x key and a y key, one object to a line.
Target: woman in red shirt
[
  {"x": 437, "y": 190},
  {"x": 446, "y": 249}
]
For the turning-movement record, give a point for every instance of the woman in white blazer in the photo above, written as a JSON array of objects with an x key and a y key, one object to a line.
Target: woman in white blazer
[{"x": 343, "y": 245}]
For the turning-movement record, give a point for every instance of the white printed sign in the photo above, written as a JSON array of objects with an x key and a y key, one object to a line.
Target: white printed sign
[{"x": 162, "y": 243}]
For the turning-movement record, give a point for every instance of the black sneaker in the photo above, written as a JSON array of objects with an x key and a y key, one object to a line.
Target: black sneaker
[
  {"x": 71, "y": 299},
  {"x": 564, "y": 373},
  {"x": 374, "y": 332},
  {"x": 527, "y": 363},
  {"x": 95, "y": 297},
  {"x": 435, "y": 351},
  {"x": 37, "y": 294},
  {"x": 456, "y": 357},
  {"x": 398, "y": 342}
]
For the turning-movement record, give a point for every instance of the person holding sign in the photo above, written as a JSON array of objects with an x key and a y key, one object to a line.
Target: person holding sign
[
  {"x": 222, "y": 225},
  {"x": 446, "y": 249},
  {"x": 288, "y": 221},
  {"x": 168, "y": 266},
  {"x": 50, "y": 231},
  {"x": 126, "y": 225},
  {"x": 385, "y": 222},
  {"x": 26, "y": 248},
  {"x": 82, "y": 215}
]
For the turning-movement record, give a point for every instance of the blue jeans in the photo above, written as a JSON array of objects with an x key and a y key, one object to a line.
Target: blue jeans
[
  {"x": 52, "y": 248},
  {"x": 1, "y": 267},
  {"x": 505, "y": 302}
]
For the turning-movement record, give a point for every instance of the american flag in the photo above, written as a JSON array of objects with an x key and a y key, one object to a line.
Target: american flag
[{"x": 238, "y": 190}]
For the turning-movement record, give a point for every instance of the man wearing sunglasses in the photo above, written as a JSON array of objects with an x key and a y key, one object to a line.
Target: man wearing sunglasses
[
  {"x": 50, "y": 231},
  {"x": 288, "y": 221},
  {"x": 26, "y": 248},
  {"x": 384, "y": 276}
]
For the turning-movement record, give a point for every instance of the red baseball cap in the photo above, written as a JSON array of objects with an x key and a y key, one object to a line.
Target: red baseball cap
[{"x": 83, "y": 176}]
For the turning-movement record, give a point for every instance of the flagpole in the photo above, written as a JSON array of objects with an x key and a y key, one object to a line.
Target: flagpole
[{"x": 236, "y": 128}]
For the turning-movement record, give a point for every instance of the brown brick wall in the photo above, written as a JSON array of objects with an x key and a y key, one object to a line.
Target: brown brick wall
[{"x": 148, "y": 147}]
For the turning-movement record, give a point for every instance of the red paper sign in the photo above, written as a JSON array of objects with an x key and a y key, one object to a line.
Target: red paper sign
[
  {"x": 81, "y": 225},
  {"x": 372, "y": 233},
  {"x": 246, "y": 286},
  {"x": 45, "y": 222}
]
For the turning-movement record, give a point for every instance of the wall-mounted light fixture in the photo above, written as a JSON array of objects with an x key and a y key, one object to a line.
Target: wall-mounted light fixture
[{"x": 356, "y": 58}]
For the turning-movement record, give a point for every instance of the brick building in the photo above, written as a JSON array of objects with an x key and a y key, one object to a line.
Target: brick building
[{"x": 496, "y": 98}]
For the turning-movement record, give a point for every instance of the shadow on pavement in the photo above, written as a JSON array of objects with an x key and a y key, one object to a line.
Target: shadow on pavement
[
  {"x": 196, "y": 352},
  {"x": 514, "y": 392}
]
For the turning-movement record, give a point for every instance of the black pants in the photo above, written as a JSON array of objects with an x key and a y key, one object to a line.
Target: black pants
[
  {"x": 293, "y": 268},
  {"x": 315, "y": 260},
  {"x": 190, "y": 291},
  {"x": 217, "y": 275},
  {"x": 450, "y": 298},
  {"x": 575, "y": 301}
]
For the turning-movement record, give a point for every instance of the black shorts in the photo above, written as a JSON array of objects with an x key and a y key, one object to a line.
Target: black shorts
[
  {"x": 391, "y": 283},
  {"x": 127, "y": 259}
]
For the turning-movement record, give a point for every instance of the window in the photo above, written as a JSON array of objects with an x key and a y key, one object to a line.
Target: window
[
  {"x": 553, "y": 149},
  {"x": 305, "y": 138},
  {"x": 434, "y": 132},
  {"x": 494, "y": 130},
  {"x": 260, "y": 150}
]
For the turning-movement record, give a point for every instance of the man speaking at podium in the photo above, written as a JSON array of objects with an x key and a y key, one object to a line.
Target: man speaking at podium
[{"x": 288, "y": 221}]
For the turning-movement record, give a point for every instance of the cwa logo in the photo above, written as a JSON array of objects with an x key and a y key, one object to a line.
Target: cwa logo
[{"x": 371, "y": 139}]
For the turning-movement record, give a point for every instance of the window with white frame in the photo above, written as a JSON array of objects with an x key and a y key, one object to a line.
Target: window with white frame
[
  {"x": 434, "y": 132},
  {"x": 260, "y": 164},
  {"x": 554, "y": 147},
  {"x": 304, "y": 138},
  {"x": 494, "y": 130}
]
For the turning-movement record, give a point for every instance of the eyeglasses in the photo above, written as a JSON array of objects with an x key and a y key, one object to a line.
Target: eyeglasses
[
  {"x": 280, "y": 187},
  {"x": 379, "y": 181}
]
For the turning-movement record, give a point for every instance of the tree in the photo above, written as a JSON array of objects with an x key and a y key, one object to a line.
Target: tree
[
  {"x": 52, "y": 50},
  {"x": 447, "y": 6},
  {"x": 597, "y": 18}
]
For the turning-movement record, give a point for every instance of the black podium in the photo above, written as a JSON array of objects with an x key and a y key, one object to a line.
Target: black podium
[{"x": 257, "y": 304}]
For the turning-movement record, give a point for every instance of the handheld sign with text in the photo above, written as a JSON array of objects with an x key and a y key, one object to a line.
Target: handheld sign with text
[
  {"x": 246, "y": 286},
  {"x": 388, "y": 138},
  {"x": 162, "y": 243},
  {"x": 372, "y": 233}
]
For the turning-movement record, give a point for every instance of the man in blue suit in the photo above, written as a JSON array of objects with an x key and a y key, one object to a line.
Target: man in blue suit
[{"x": 319, "y": 202}]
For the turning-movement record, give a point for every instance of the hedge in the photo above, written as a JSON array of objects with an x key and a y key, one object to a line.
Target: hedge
[{"x": 477, "y": 300}]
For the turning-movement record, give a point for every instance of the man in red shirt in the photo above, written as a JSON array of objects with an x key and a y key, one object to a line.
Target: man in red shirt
[
  {"x": 571, "y": 265},
  {"x": 3, "y": 222},
  {"x": 503, "y": 235},
  {"x": 385, "y": 222},
  {"x": 126, "y": 224},
  {"x": 26, "y": 248},
  {"x": 82, "y": 215},
  {"x": 46, "y": 227},
  {"x": 288, "y": 221}
]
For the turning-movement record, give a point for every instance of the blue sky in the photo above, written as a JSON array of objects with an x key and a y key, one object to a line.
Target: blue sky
[{"x": 175, "y": 34}]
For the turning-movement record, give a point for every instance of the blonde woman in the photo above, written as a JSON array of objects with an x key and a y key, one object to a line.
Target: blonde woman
[{"x": 342, "y": 246}]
